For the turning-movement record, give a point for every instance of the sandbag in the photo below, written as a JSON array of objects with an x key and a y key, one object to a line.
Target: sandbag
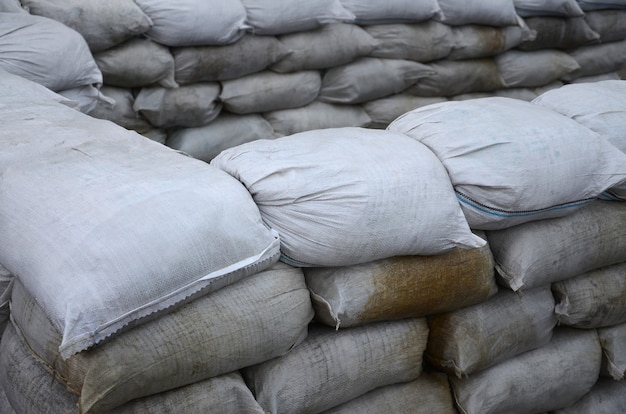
[
  {"x": 316, "y": 115},
  {"x": 367, "y": 12},
  {"x": 476, "y": 41},
  {"x": 530, "y": 69},
  {"x": 45, "y": 51},
  {"x": 120, "y": 109},
  {"x": 186, "y": 106},
  {"x": 606, "y": 397},
  {"x": 334, "y": 203},
  {"x": 558, "y": 33},
  {"x": 136, "y": 63},
  {"x": 5, "y": 405},
  {"x": 598, "y": 59},
  {"x": 511, "y": 161},
  {"x": 192, "y": 23},
  {"x": 587, "y": 5},
  {"x": 89, "y": 248},
  {"x": 248, "y": 55},
  {"x": 613, "y": 341},
  {"x": 565, "y": 8},
  {"x": 384, "y": 110},
  {"x": 33, "y": 389},
  {"x": 332, "y": 367},
  {"x": 525, "y": 94},
  {"x": 6, "y": 286},
  {"x": 224, "y": 331},
  {"x": 369, "y": 78},
  {"x": 268, "y": 91},
  {"x": 429, "y": 393},
  {"x": 226, "y": 131},
  {"x": 11, "y": 6},
  {"x": 458, "y": 77},
  {"x": 544, "y": 379},
  {"x": 609, "y": 24},
  {"x": 597, "y": 78},
  {"x": 484, "y": 12},
  {"x": 401, "y": 287},
  {"x": 593, "y": 299},
  {"x": 272, "y": 17},
  {"x": 102, "y": 24},
  {"x": 538, "y": 253},
  {"x": 331, "y": 45},
  {"x": 468, "y": 340},
  {"x": 421, "y": 42}
]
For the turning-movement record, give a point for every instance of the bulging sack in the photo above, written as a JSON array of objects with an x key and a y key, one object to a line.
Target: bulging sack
[{"x": 335, "y": 202}]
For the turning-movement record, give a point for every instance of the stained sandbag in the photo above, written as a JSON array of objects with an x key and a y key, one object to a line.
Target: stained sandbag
[
  {"x": 120, "y": 109},
  {"x": 534, "y": 68},
  {"x": 45, "y": 51},
  {"x": 316, "y": 115},
  {"x": 191, "y": 23},
  {"x": 102, "y": 24},
  {"x": 268, "y": 91},
  {"x": 478, "y": 41},
  {"x": 367, "y": 12},
  {"x": 609, "y": 24},
  {"x": 33, "y": 389},
  {"x": 565, "y": 8},
  {"x": 538, "y": 253},
  {"x": 429, "y": 393},
  {"x": 332, "y": 367},
  {"x": 224, "y": 331},
  {"x": 458, "y": 77},
  {"x": 136, "y": 63},
  {"x": 511, "y": 161},
  {"x": 186, "y": 106},
  {"x": 226, "y": 131},
  {"x": 421, "y": 42},
  {"x": 485, "y": 12},
  {"x": 384, "y": 110},
  {"x": 250, "y": 54},
  {"x": 598, "y": 59},
  {"x": 553, "y": 376},
  {"x": 471, "y": 339},
  {"x": 334, "y": 203},
  {"x": 401, "y": 287},
  {"x": 558, "y": 33},
  {"x": 613, "y": 341},
  {"x": 593, "y": 299},
  {"x": 606, "y": 397},
  {"x": 369, "y": 78},
  {"x": 272, "y": 17},
  {"x": 88, "y": 249},
  {"x": 331, "y": 45}
]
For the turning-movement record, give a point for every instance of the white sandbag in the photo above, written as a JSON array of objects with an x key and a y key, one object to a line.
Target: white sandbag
[
  {"x": 429, "y": 393},
  {"x": 335, "y": 203},
  {"x": 542, "y": 252},
  {"x": 102, "y": 24},
  {"x": 401, "y": 287},
  {"x": 224, "y": 331},
  {"x": 32, "y": 389},
  {"x": 606, "y": 397},
  {"x": 272, "y": 17},
  {"x": 186, "y": 106},
  {"x": 367, "y": 12},
  {"x": 511, "y": 161},
  {"x": 11, "y": 6},
  {"x": 369, "y": 78},
  {"x": 105, "y": 188},
  {"x": 598, "y": 59},
  {"x": 559, "y": 33},
  {"x": 119, "y": 109},
  {"x": 269, "y": 91},
  {"x": 485, "y": 12},
  {"x": 477, "y": 41},
  {"x": 421, "y": 42},
  {"x": 45, "y": 51},
  {"x": 316, "y": 115},
  {"x": 613, "y": 341},
  {"x": 544, "y": 379},
  {"x": 529, "y": 69},
  {"x": 331, "y": 45},
  {"x": 136, "y": 63},
  {"x": 593, "y": 299},
  {"x": 191, "y": 22},
  {"x": 565, "y": 8},
  {"x": 17, "y": 89},
  {"x": 453, "y": 78},
  {"x": 332, "y": 367},
  {"x": 609, "y": 24},
  {"x": 384, "y": 110},
  {"x": 468, "y": 340},
  {"x": 226, "y": 131},
  {"x": 587, "y": 5},
  {"x": 250, "y": 54}
]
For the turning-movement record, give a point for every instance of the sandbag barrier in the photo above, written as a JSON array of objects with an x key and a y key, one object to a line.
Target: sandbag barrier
[{"x": 558, "y": 280}]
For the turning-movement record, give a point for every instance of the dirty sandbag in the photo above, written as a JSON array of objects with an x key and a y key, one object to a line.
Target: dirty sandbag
[
  {"x": 485, "y": 12},
  {"x": 563, "y": 8},
  {"x": 395, "y": 11},
  {"x": 534, "y": 68},
  {"x": 609, "y": 24},
  {"x": 421, "y": 42},
  {"x": 120, "y": 109},
  {"x": 558, "y": 33},
  {"x": 384, "y": 110},
  {"x": 478, "y": 41},
  {"x": 613, "y": 341},
  {"x": 597, "y": 59}
]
